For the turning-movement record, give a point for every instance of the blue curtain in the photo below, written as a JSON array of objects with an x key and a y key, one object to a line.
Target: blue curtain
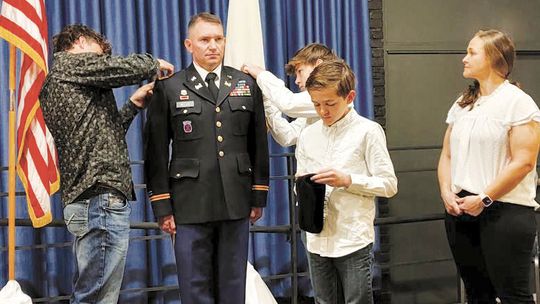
[{"x": 159, "y": 27}]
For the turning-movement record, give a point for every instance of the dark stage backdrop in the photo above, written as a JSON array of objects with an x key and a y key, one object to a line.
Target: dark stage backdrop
[{"x": 159, "y": 27}]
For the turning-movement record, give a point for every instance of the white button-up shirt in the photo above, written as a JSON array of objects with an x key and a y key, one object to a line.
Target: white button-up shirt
[
  {"x": 203, "y": 73},
  {"x": 278, "y": 99},
  {"x": 356, "y": 146},
  {"x": 289, "y": 103},
  {"x": 479, "y": 147}
]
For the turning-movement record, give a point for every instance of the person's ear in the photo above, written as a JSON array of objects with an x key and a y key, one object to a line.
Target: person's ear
[
  {"x": 189, "y": 45},
  {"x": 319, "y": 61},
  {"x": 80, "y": 42},
  {"x": 80, "y": 45},
  {"x": 350, "y": 96}
]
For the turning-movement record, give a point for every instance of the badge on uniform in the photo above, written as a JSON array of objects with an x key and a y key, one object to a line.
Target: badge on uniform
[
  {"x": 241, "y": 89},
  {"x": 185, "y": 104},
  {"x": 184, "y": 95},
  {"x": 188, "y": 128}
]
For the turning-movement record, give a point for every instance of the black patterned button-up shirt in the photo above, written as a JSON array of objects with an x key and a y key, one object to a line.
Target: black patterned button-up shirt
[{"x": 89, "y": 131}]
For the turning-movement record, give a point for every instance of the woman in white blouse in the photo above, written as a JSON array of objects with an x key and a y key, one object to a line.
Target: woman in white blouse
[{"x": 487, "y": 175}]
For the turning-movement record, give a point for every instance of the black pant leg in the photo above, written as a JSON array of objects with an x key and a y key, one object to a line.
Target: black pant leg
[
  {"x": 463, "y": 235},
  {"x": 194, "y": 250},
  {"x": 507, "y": 233},
  {"x": 231, "y": 256}
]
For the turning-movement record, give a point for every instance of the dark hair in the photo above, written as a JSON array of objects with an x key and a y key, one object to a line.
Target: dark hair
[
  {"x": 309, "y": 54},
  {"x": 204, "y": 16},
  {"x": 64, "y": 40},
  {"x": 332, "y": 74},
  {"x": 500, "y": 52}
]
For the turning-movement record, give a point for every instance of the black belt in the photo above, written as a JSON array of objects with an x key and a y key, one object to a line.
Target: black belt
[
  {"x": 99, "y": 189},
  {"x": 464, "y": 193}
]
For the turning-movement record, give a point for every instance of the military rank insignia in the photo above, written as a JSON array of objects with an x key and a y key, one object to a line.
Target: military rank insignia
[
  {"x": 241, "y": 89},
  {"x": 188, "y": 128}
]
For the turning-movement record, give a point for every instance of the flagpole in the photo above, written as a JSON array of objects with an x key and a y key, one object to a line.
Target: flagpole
[{"x": 11, "y": 171}]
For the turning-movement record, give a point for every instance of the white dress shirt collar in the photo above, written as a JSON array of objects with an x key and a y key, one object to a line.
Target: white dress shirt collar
[
  {"x": 343, "y": 122},
  {"x": 203, "y": 72}
]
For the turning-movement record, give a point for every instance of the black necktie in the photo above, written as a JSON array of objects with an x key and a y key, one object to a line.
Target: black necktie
[{"x": 212, "y": 84}]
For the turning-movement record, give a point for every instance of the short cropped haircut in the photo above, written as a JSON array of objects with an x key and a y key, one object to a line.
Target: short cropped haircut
[
  {"x": 64, "y": 40},
  {"x": 309, "y": 55},
  {"x": 335, "y": 74},
  {"x": 205, "y": 16}
]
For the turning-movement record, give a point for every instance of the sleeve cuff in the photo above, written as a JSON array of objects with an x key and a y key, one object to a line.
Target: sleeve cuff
[
  {"x": 133, "y": 107},
  {"x": 259, "y": 194},
  {"x": 155, "y": 68},
  {"x": 357, "y": 181},
  {"x": 161, "y": 204},
  {"x": 535, "y": 116}
]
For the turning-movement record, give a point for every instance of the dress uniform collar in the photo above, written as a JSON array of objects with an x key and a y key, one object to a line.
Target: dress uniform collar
[
  {"x": 203, "y": 73},
  {"x": 197, "y": 85}
]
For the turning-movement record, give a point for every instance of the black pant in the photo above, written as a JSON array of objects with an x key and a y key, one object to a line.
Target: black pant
[
  {"x": 211, "y": 259},
  {"x": 493, "y": 252}
]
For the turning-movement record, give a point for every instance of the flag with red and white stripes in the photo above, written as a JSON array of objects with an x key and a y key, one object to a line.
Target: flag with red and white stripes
[{"x": 23, "y": 23}]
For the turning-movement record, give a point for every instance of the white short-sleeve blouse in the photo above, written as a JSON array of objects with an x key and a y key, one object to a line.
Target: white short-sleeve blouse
[{"x": 479, "y": 141}]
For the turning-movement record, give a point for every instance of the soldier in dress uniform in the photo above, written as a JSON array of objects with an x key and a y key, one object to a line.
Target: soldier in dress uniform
[{"x": 215, "y": 179}]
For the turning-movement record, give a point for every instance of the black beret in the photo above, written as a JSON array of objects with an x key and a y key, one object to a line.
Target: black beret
[{"x": 310, "y": 203}]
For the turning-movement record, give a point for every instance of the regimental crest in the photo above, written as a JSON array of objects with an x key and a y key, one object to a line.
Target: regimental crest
[
  {"x": 241, "y": 89},
  {"x": 188, "y": 127}
]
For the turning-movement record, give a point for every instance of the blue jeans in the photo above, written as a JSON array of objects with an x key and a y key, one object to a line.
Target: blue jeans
[
  {"x": 101, "y": 229},
  {"x": 339, "y": 290},
  {"x": 353, "y": 271}
]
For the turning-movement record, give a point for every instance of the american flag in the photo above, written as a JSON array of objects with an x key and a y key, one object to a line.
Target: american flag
[{"x": 23, "y": 23}]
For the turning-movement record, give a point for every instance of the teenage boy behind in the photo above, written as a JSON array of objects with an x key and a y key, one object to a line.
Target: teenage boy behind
[
  {"x": 278, "y": 99},
  {"x": 348, "y": 154}
]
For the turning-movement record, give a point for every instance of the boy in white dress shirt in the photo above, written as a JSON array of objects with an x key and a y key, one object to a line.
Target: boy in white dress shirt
[{"x": 348, "y": 154}]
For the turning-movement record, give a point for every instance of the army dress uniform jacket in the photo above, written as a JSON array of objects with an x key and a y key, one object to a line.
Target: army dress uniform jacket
[{"x": 218, "y": 166}]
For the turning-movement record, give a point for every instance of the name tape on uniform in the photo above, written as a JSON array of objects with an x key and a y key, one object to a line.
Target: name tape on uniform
[{"x": 185, "y": 104}]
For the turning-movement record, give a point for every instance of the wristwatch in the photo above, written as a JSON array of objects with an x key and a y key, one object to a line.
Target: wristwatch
[{"x": 486, "y": 200}]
